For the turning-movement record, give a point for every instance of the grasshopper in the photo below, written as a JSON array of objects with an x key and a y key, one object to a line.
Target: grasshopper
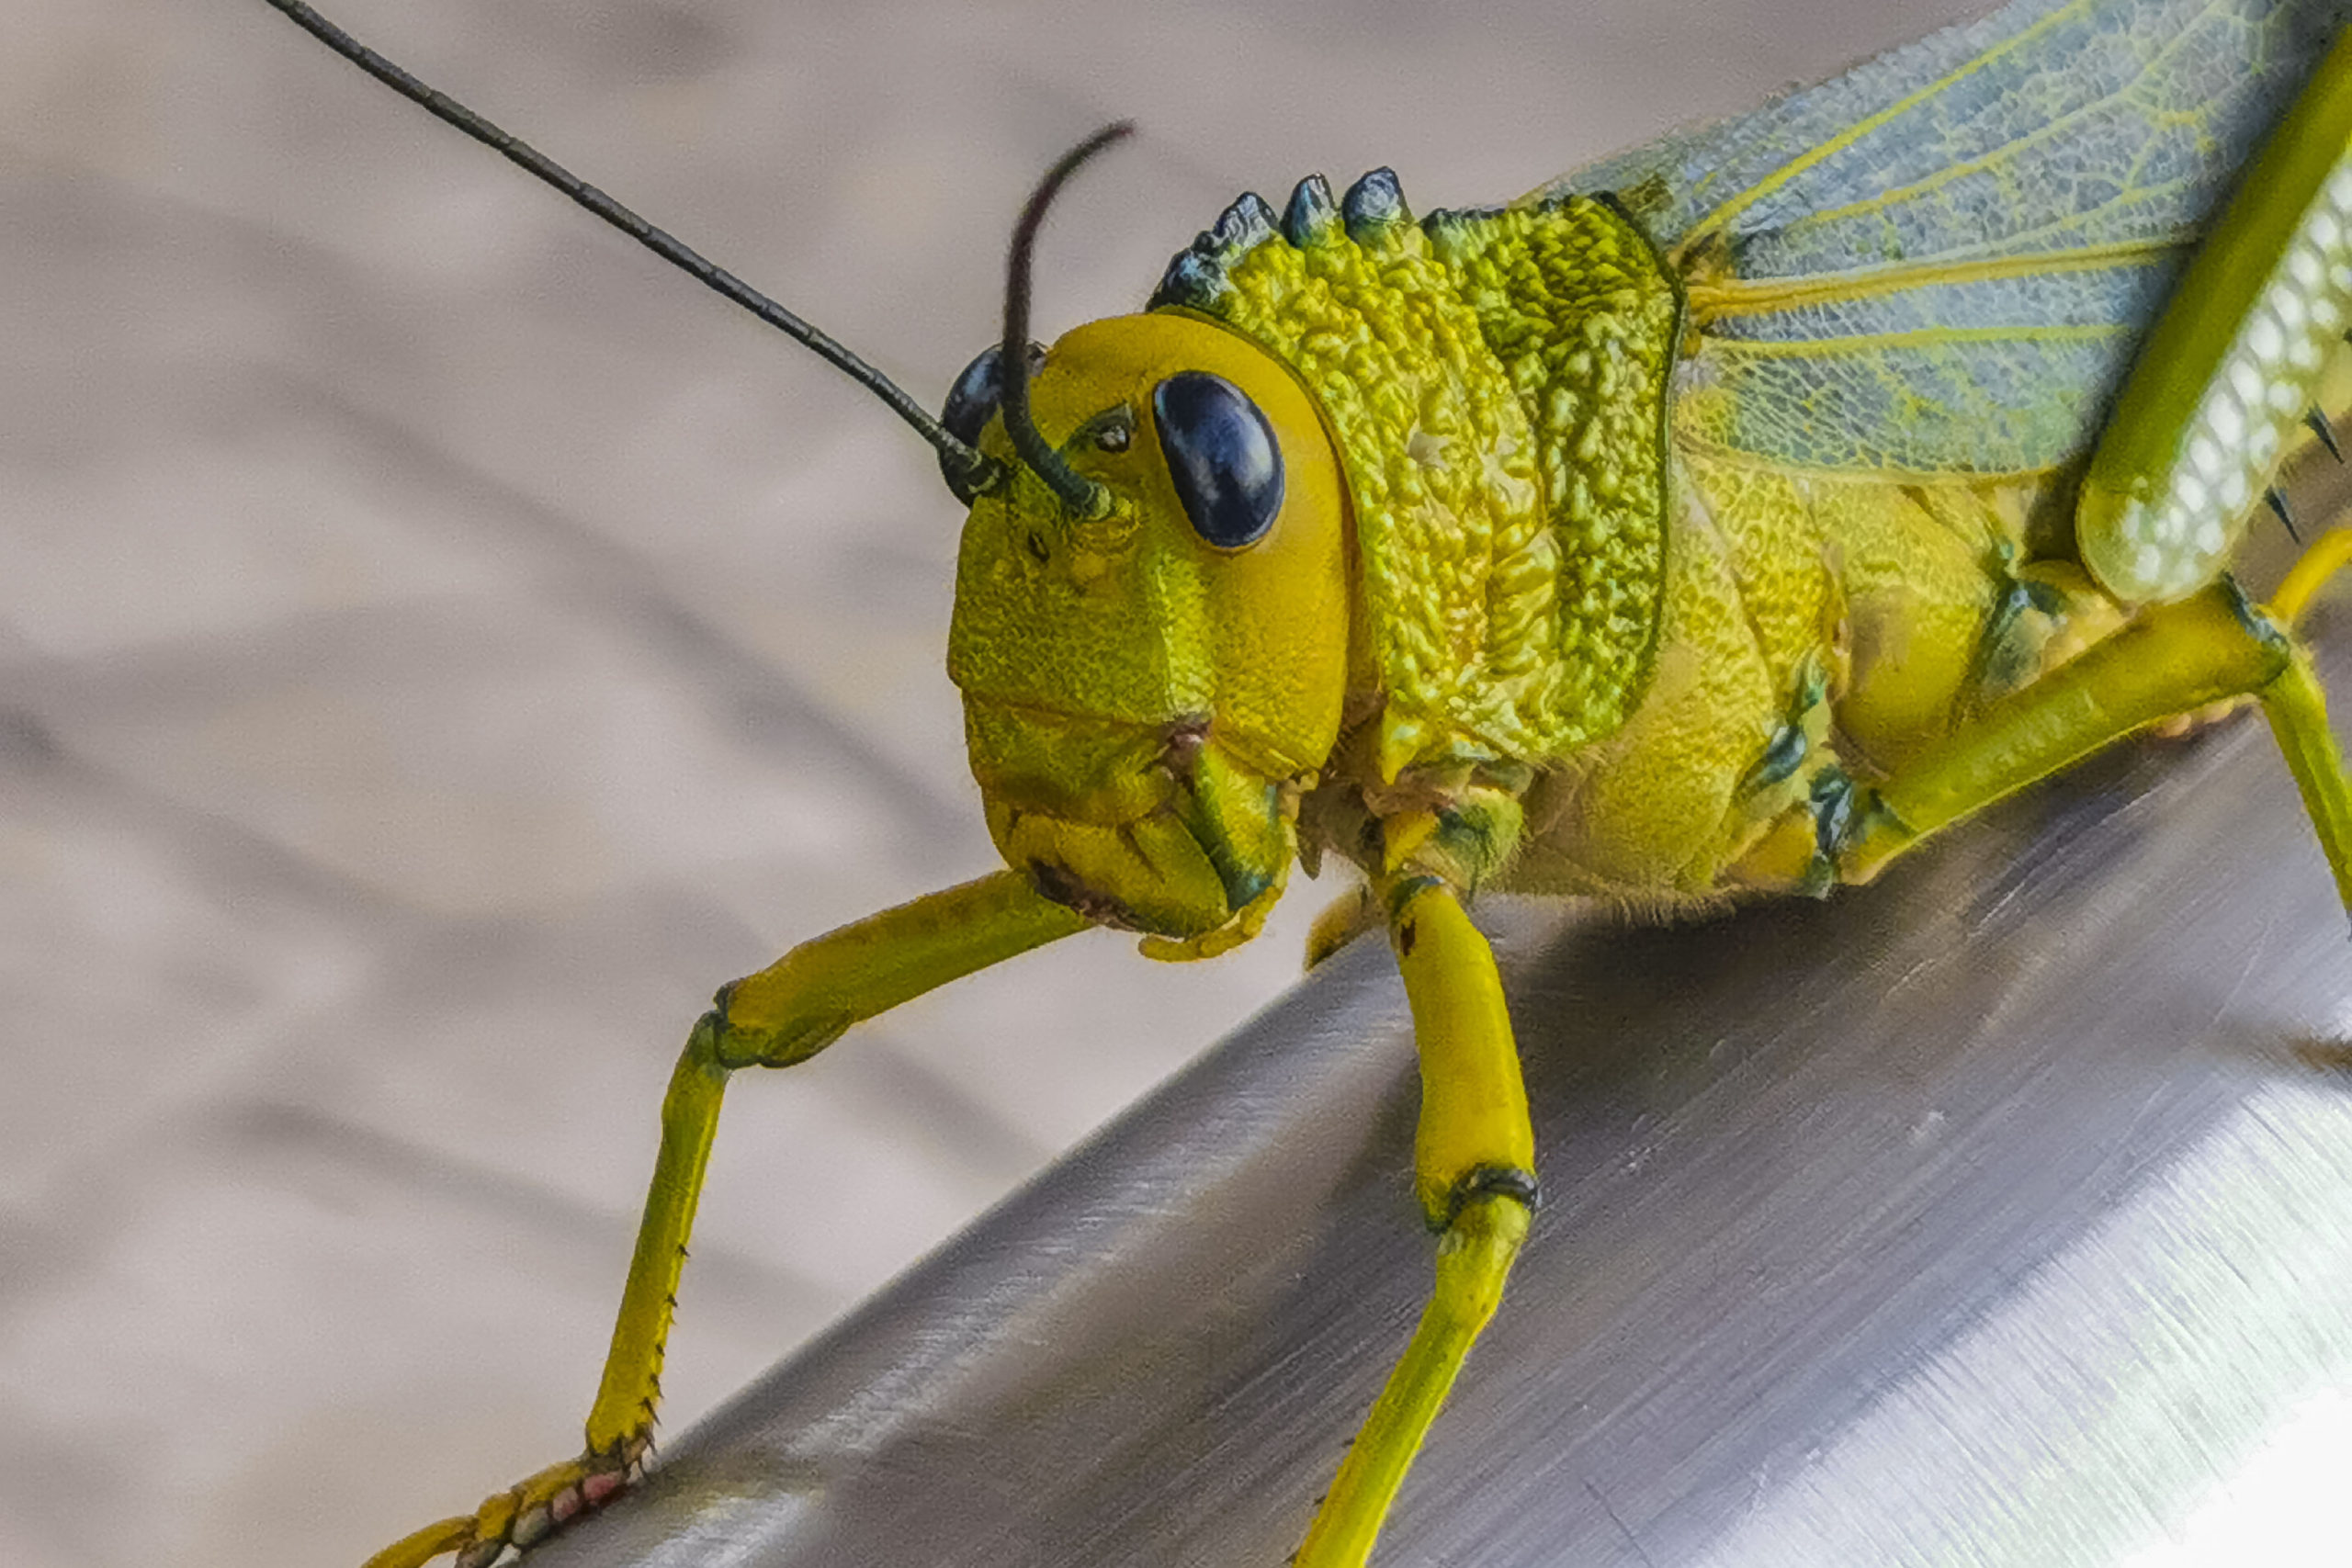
[{"x": 1720, "y": 521}]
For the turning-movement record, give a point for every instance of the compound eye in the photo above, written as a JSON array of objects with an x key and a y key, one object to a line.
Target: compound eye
[
  {"x": 1222, "y": 456},
  {"x": 972, "y": 401}
]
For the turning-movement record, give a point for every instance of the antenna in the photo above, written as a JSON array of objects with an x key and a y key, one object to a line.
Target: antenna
[
  {"x": 972, "y": 469},
  {"x": 1082, "y": 496}
]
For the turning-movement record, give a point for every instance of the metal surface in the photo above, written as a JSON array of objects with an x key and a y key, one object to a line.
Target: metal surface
[{"x": 2000, "y": 1213}]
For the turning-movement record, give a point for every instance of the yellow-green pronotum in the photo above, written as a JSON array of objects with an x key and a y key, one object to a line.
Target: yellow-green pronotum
[{"x": 1718, "y": 521}]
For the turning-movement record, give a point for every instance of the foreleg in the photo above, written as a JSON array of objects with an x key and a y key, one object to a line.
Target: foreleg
[{"x": 785, "y": 1014}]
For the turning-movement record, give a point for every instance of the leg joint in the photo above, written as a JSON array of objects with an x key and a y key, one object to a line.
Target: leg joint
[
  {"x": 787, "y": 1037},
  {"x": 713, "y": 1041},
  {"x": 1489, "y": 1181},
  {"x": 2259, "y": 623}
]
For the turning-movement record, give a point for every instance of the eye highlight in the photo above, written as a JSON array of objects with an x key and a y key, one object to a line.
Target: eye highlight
[
  {"x": 973, "y": 400},
  {"x": 1222, "y": 455}
]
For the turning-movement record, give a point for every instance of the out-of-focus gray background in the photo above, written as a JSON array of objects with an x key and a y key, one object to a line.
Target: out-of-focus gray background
[{"x": 439, "y": 646}]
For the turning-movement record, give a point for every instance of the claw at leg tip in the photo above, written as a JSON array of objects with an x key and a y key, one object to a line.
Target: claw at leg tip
[{"x": 535, "y": 1526}]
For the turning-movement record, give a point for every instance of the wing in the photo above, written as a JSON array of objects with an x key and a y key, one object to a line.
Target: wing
[{"x": 1944, "y": 259}]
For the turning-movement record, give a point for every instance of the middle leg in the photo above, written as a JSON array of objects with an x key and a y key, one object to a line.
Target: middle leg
[{"x": 1474, "y": 1167}]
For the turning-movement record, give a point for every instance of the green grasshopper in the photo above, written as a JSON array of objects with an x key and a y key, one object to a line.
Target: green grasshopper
[{"x": 1720, "y": 521}]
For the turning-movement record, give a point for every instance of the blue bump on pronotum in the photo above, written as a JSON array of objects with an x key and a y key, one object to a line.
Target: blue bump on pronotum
[{"x": 1715, "y": 522}]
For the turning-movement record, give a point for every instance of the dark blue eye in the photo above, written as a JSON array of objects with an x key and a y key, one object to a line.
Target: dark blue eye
[
  {"x": 972, "y": 403},
  {"x": 1221, "y": 453}
]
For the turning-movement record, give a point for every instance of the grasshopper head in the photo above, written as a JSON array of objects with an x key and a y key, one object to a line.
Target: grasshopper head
[{"x": 1148, "y": 681}]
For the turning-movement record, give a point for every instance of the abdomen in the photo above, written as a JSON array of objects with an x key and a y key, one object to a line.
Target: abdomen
[{"x": 1812, "y": 622}]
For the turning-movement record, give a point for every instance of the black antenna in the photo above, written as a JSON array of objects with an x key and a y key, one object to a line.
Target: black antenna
[
  {"x": 1083, "y": 497},
  {"x": 974, "y": 471}
]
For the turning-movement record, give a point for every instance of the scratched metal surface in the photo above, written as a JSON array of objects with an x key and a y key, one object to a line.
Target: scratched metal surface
[{"x": 438, "y": 646}]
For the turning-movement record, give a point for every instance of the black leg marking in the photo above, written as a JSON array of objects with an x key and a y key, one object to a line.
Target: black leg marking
[
  {"x": 1488, "y": 1180},
  {"x": 1834, "y": 825},
  {"x": 1782, "y": 756}
]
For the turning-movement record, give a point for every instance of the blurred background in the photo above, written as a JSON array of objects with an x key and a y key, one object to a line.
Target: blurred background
[{"x": 439, "y": 646}]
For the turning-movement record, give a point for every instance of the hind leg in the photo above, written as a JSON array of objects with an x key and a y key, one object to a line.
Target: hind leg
[{"x": 2172, "y": 660}]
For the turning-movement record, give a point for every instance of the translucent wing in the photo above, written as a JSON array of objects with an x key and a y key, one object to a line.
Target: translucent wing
[{"x": 1944, "y": 260}]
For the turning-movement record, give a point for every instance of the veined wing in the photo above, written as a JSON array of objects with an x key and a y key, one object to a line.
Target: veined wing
[{"x": 1945, "y": 259}]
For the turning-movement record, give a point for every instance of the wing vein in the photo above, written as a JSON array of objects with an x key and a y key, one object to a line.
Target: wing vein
[
  {"x": 1705, "y": 227},
  {"x": 1926, "y": 337},
  {"x": 1711, "y": 301},
  {"x": 1991, "y": 161}
]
